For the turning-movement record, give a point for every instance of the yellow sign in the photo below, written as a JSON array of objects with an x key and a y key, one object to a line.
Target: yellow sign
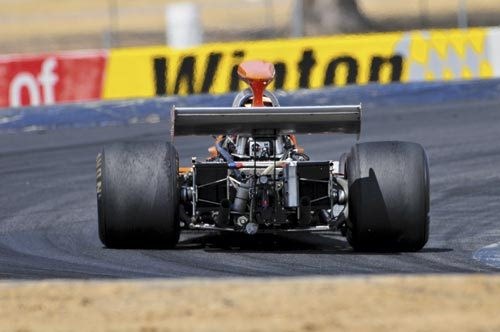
[{"x": 300, "y": 63}]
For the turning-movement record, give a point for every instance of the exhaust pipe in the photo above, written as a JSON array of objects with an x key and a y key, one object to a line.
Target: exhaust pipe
[
  {"x": 305, "y": 211},
  {"x": 224, "y": 216}
]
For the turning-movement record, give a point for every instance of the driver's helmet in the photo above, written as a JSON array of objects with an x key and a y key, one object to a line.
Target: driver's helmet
[{"x": 245, "y": 97}]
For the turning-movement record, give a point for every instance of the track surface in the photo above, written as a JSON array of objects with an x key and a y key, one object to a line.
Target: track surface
[{"x": 48, "y": 222}]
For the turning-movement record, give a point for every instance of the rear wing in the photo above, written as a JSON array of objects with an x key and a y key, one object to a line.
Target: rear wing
[{"x": 279, "y": 120}]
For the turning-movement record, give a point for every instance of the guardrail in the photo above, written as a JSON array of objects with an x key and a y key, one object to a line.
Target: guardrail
[
  {"x": 153, "y": 110},
  {"x": 434, "y": 55}
]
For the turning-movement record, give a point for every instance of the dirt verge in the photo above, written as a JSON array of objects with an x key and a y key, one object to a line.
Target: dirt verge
[{"x": 404, "y": 303}]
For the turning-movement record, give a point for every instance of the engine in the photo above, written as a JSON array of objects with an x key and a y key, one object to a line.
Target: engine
[{"x": 259, "y": 181}]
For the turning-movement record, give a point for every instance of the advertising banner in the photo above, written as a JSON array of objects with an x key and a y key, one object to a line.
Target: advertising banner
[
  {"x": 307, "y": 63},
  {"x": 52, "y": 78}
]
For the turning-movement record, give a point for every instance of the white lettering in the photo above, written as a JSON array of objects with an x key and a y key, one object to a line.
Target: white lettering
[
  {"x": 46, "y": 80},
  {"x": 24, "y": 80}
]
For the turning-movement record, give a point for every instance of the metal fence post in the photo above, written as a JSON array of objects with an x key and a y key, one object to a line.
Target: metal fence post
[
  {"x": 298, "y": 18},
  {"x": 462, "y": 17}
]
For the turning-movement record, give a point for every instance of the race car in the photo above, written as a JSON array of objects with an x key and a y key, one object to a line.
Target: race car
[{"x": 258, "y": 179}]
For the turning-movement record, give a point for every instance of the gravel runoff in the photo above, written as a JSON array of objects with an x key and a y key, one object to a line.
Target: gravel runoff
[{"x": 362, "y": 303}]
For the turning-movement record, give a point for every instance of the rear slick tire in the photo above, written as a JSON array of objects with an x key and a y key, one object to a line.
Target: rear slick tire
[
  {"x": 388, "y": 196},
  {"x": 137, "y": 195}
]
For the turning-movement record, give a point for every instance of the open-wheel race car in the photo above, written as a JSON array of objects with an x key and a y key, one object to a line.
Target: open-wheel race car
[{"x": 258, "y": 179}]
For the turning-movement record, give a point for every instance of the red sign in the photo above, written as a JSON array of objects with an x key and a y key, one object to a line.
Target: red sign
[{"x": 50, "y": 79}]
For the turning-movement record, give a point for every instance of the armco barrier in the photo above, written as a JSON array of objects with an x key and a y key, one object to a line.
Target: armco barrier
[
  {"x": 124, "y": 112},
  {"x": 434, "y": 55}
]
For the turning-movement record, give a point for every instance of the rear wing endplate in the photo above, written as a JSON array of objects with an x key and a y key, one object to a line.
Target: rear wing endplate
[{"x": 279, "y": 120}]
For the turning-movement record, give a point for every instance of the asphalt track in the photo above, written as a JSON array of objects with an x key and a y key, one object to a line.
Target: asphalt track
[{"x": 48, "y": 221}]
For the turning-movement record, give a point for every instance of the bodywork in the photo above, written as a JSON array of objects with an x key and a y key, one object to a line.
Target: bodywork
[{"x": 257, "y": 178}]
